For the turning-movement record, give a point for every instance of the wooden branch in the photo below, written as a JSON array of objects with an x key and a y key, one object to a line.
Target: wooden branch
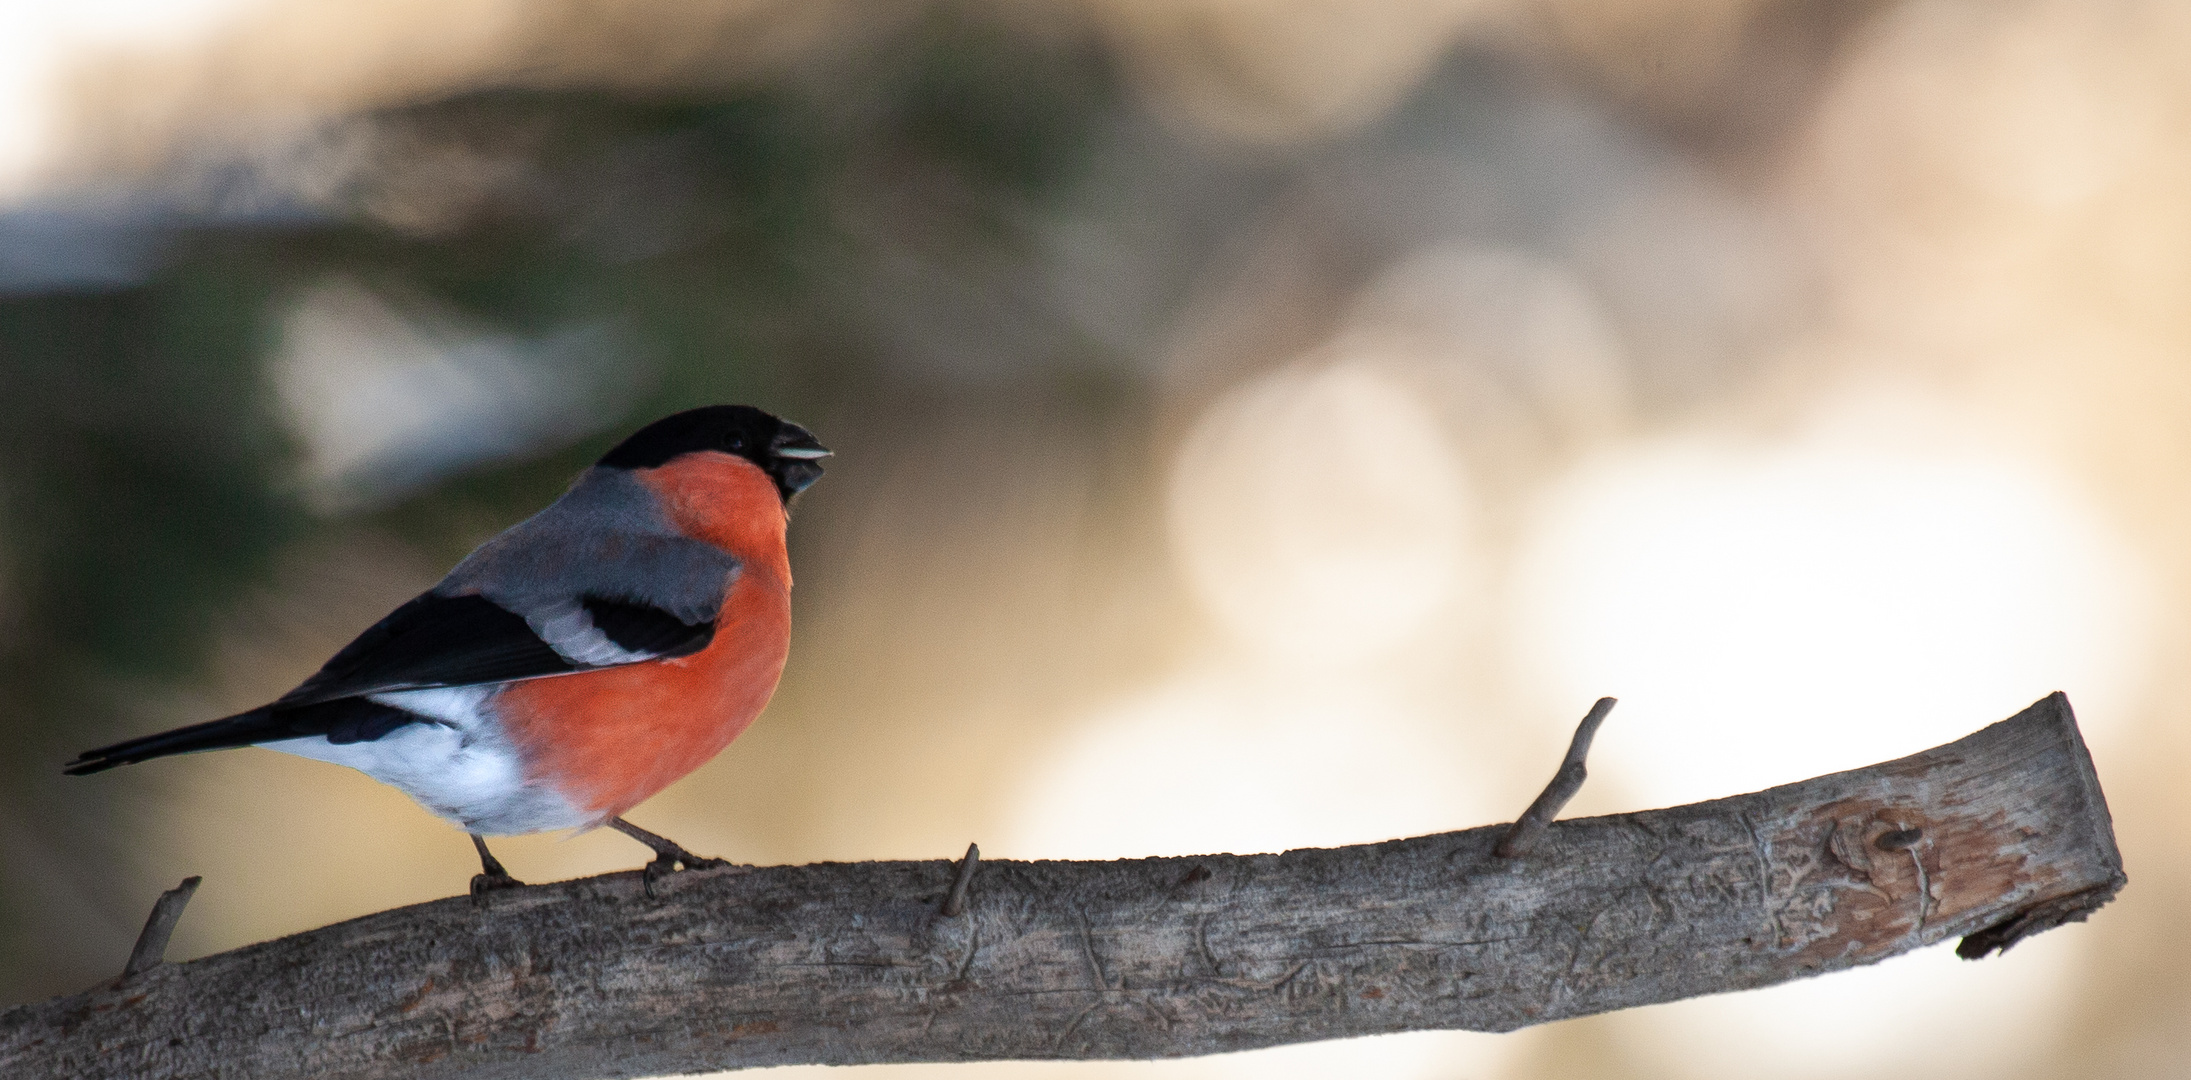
[{"x": 1996, "y": 836}]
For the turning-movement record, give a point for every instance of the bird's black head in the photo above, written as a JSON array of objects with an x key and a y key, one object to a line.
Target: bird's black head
[{"x": 785, "y": 451}]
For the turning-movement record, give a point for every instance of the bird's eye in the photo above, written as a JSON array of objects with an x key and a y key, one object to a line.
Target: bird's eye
[{"x": 735, "y": 441}]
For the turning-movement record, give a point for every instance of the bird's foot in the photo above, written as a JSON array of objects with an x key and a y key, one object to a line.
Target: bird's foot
[
  {"x": 669, "y": 862},
  {"x": 482, "y": 884},
  {"x": 491, "y": 877},
  {"x": 669, "y": 858}
]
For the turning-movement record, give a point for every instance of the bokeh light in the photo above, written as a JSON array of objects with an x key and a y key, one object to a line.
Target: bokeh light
[
  {"x": 1860, "y": 588},
  {"x": 1319, "y": 514},
  {"x": 39, "y": 41},
  {"x": 387, "y": 402}
]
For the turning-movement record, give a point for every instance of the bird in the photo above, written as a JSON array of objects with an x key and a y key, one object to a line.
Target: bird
[{"x": 578, "y": 662}]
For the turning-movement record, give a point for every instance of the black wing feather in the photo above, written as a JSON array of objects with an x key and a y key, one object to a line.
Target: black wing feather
[
  {"x": 433, "y": 641},
  {"x": 644, "y": 628}
]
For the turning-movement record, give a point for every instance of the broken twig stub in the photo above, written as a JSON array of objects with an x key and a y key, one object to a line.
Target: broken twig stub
[
  {"x": 1994, "y": 836},
  {"x": 1522, "y": 835},
  {"x": 151, "y": 946}
]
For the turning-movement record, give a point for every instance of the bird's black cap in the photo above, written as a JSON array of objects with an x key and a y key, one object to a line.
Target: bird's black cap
[{"x": 788, "y": 453}]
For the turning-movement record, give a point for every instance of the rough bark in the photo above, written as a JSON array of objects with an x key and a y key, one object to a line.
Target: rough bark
[{"x": 1996, "y": 836}]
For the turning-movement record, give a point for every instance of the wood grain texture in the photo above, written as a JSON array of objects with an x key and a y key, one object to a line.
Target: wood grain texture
[{"x": 1994, "y": 836}]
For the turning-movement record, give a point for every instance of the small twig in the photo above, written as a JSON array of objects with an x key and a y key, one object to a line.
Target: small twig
[
  {"x": 159, "y": 926},
  {"x": 1523, "y": 834},
  {"x": 955, "y": 902}
]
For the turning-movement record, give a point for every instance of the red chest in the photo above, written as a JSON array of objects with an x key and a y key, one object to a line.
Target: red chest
[{"x": 609, "y": 739}]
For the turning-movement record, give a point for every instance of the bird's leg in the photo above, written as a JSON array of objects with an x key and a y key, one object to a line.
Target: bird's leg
[
  {"x": 668, "y": 857},
  {"x": 491, "y": 876}
]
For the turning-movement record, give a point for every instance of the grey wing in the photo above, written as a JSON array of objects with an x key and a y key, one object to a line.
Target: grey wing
[{"x": 602, "y": 577}]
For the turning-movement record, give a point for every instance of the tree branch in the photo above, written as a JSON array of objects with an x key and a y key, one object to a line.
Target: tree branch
[{"x": 1995, "y": 836}]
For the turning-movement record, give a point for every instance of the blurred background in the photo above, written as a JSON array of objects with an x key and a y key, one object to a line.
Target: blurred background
[{"x": 1260, "y": 424}]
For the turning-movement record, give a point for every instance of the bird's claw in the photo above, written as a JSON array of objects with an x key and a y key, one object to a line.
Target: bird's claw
[
  {"x": 666, "y": 864},
  {"x": 655, "y": 872},
  {"x": 668, "y": 856},
  {"x": 482, "y": 884}
]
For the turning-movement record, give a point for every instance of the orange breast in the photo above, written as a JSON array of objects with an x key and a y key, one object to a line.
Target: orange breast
[{"x": 609, "y": 739}]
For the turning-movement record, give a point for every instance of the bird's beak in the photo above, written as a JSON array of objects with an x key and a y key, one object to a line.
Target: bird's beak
[
  {"x": 793, "y": 441},
  {"x": 798, "y": 455}
]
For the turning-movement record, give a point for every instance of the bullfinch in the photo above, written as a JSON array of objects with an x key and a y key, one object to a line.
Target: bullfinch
[{"x": 577, "y": 663}]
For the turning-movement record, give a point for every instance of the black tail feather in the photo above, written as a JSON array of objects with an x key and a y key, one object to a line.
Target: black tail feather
[
  {"x": 343, "y": 720},
  {"x": 242, "y": 729}
]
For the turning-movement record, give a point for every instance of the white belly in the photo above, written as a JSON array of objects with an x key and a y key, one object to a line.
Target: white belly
[{"x": 457, "y": 764}]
